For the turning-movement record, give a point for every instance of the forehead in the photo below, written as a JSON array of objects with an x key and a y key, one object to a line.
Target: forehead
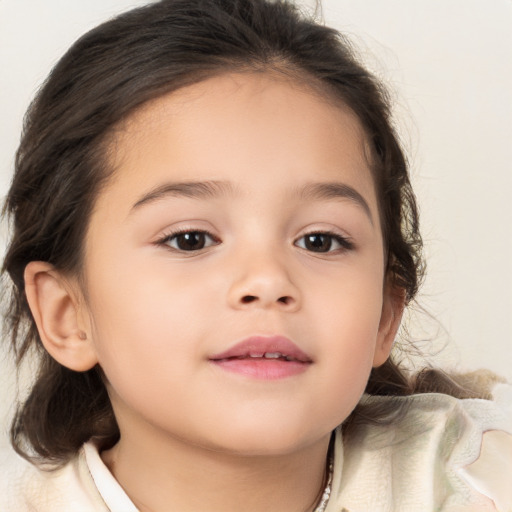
[{"x": 241, "y": 126}]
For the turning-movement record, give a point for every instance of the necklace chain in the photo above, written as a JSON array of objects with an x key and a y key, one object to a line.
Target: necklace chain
[{"x": 324, "y": 500}]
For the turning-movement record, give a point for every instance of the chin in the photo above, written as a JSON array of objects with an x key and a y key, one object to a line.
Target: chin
[{"x": 267, "y": 440}]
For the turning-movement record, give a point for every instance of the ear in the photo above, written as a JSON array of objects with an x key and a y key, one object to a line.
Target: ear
[
  {"x": 55, "y": 306},
  {"x": 393, "y": 305}
]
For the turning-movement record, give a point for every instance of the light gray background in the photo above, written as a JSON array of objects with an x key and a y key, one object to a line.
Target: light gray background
[{"x": 449, "y": 65}]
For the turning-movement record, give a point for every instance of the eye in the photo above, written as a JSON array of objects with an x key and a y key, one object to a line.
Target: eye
[
  {"x": 189, "y": 240},
  {"x": 323, "y": 242}
]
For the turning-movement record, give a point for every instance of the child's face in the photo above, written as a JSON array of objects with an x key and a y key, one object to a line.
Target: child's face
[{"x": 279, "y": 164}]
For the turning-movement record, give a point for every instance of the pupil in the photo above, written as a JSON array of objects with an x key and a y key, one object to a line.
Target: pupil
[
  {"x": 191, "y": 241},
  {"x": 318, "y": 243}
]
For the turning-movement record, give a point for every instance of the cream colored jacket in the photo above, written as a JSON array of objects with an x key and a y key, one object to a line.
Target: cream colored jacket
[{"x": 446, "y": 455}]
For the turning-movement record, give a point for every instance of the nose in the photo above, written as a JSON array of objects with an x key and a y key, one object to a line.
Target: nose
[{"x": 262, "y": 282}]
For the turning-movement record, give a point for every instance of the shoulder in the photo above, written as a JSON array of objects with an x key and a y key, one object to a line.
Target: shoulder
[
  {"x": 443, "y": 454},
  {"x": 490, "y": 472},
  {"x": 25, "y": 487}
]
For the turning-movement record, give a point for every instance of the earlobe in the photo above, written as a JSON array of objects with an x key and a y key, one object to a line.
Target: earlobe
[
  {"x": 392, "y": 310},
  {"x": 55, "y": 308}
]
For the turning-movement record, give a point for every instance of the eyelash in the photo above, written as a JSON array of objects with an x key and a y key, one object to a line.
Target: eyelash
[{"x": 344, "y": 243}]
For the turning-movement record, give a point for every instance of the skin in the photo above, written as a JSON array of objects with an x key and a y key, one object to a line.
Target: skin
[{"x": 152, "y": 315}]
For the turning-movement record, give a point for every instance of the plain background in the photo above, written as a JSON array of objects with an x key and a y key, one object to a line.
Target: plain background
[{"x": 448, "y": 64}]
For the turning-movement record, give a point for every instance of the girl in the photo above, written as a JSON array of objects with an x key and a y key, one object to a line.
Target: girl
[{"x": 214, "y": 238}]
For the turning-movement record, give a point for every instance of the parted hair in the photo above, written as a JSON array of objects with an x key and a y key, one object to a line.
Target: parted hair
[{"x": 61, "y": 166}]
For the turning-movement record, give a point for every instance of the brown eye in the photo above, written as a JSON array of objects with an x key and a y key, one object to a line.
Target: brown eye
[
  {"x": 323, "y": 242},
  {"x": 190, "y": 241},
  {"x": 318, "y": 242}
]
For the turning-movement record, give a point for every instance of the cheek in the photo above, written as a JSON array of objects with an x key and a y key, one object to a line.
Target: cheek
[
  {"x": 142, "y": 350},
  {"x": 346, "y": 327},
  {"x": 352, "y": 306},
  {"x": 150, "y": 318}
]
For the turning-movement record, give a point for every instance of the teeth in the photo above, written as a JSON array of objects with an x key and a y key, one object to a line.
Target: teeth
[{"x": 270, "y": 355}]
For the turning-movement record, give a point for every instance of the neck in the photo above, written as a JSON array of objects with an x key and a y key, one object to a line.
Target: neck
[{"x": 161, "y": 475}]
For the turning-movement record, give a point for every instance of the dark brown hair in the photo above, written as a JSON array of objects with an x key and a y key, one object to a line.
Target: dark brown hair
[{"x": 61, "y": 165}]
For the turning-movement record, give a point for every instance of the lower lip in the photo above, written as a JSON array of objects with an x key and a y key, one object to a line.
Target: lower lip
[{"x": 264, "y": 369}]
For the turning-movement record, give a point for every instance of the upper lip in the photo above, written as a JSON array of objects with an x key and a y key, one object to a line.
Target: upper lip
[{"x": 258, "y": 346}]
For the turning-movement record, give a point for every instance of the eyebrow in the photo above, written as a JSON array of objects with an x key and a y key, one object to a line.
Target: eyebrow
[
  {"x": 190, "y": 189},
  {"x": 334, "y": 190},
  {"x": 213, "y": 189}
]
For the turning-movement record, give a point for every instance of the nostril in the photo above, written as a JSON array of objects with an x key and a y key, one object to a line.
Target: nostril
[{"x": 249, "y": 299}]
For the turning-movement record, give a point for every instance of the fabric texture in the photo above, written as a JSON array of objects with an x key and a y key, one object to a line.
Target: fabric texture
[
  {"x": 441, "y": 457},
  {"x": 444, "y": 455}
]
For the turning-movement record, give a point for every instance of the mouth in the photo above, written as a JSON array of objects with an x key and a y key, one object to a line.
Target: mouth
[{"x": 263, "y": 357}]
